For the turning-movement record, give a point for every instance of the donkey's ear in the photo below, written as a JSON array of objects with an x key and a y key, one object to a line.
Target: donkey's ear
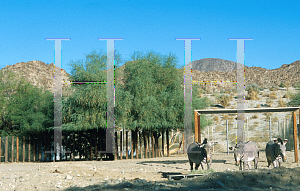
[{"x": 285, "y": 141}]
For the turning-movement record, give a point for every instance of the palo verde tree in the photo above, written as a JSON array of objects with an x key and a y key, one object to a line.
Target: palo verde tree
[{"x": 28, "y": 110}]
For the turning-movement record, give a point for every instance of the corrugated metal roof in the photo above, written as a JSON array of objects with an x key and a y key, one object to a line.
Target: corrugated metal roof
[{"x": 251, "y": 110}]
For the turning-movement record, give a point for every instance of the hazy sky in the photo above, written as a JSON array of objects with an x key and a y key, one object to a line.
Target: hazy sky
[{"x": 151, "y": 25}]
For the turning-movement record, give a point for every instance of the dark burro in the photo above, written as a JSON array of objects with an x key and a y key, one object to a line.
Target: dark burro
[
  {"x": 275, "y": 152},
  {"x": 245, "y": 153},
  {"x": 200, "y": 153}
]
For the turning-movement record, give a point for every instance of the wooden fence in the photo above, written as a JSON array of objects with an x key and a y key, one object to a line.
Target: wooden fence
[{"x": 86, "y": 146}]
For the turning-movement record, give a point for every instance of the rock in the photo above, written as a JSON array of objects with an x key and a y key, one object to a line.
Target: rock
[{"x": 69, "y": 177}]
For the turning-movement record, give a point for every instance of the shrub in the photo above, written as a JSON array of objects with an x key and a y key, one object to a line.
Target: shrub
[
  {"x": 224, "y": 100},
  {"x": 282, "y": 85},
  {"x": 281, "y": 103},
  {"x": 269, "y": 102},
  {"x": 258, "y": 106},
  {"x": 225, "y": 117},
  {"x": 254, "y": 117},
  {"x": 266, "y": 95},
  {"x": 216, "y": 118},
  {"x": 273, "y": 95},
  {"x": 253, "y": 91}
]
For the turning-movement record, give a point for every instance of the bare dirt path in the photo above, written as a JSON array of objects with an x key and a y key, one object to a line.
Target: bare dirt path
[{"x": 147, "y": 174}]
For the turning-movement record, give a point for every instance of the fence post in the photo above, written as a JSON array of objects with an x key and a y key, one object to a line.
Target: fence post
[
  {"x": 227, "y": 137},
  {"x": 17, "y": 149},
  {"x": 34, "y": 146},
  {"x": 24, "y": 149},
  {"x": 116, "y": 145},
  {"x": 6, "y": 149},
  {"x": 141, "y": 149},
  {"x": 29, "y": 150},
  {"x": 270, "y": 129},
  {"x": 12, "y": 149},
  {"x": 248, "y": 128},
  {"x": 121, "y": 145},
  {"x": 126, "y": 144},
  {"x": 152, "y": 144},
  {"x": 131, "y": 153},
  {"x": 162, "y": 143},
  {"x": 168, "y": 150}
]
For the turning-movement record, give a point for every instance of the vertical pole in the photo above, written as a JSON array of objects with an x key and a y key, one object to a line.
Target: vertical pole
[
  {"x": 196, "y": 125},
  {"x": 141, "y": 149},
  {"x": 270, "y": 129},
  {"x": 24, "y": 149},
  {"x": 45, "y": 142},
  {"x": 278, "y": 128},
  {"x": 167, "y": 135},
  {"x": 116, "y": 145},
  {"x": 199, "y": 129},
  {"x": 131, "y": 134},
  {"x": 126, "y": 144},
  {"x": 183, "y": 143},
  {"x": 262, "y": 132},
  {"x": 137, "y": 143},
  {"x": 149, "y": 152},
  {"x": 152, "y": 143},
  {"x": 12, "y": 149},
  {"x": 227, "y": 137},
  {"x": 96, "y": 148},
  {"x": 284, "y": 128},
  {"x": 121, "y": 145},
  {"x": 6, "y": 149},
  {"x": 248, "y": 128},
  {"x": 145, "y": 143},
  {"x": 29, "y": 151},
  {"x": 162, "y": 143},
  {"x": 17, "y": 149},
  {"x": 295, "y": 137}
]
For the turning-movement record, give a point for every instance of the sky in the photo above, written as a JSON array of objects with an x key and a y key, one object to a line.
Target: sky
[{"x": 151, "y": 26}]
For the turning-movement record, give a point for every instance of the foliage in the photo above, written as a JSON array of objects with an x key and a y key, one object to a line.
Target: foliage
[
  {"x": 282, "y": 85},
  {"x": 27, "y": 109}
]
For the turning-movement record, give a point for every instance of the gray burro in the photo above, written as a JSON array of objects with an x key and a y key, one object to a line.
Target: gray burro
[
  {"x": 245, "y": 153},
  {"x": 200, "y": 153},
  {"x": 275, "y": 152}
]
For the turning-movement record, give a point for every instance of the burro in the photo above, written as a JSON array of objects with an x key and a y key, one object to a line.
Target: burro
[
  {"x": 200, "y": 153},
  {"x": 275, "y": 152}
]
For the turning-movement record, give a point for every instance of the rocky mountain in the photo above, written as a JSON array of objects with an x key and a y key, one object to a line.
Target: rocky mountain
[
  {"x": 37, "y": 73},
  {"x": 214, "y": 64},
  {"x": 210, "y": 69}
]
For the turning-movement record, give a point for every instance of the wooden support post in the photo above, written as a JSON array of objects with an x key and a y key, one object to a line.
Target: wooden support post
[
  {"x": 34, "y": 146},
  {"x": 162, "y": 143},
  {"x": 0, "y": 150},
  {"x": 131, "y": 134},
  {"x": 96, "y": 148},
  {"x": 17, "y": 149},
  {"x": 152, "y": 143},
  {"x": 24, "y": 149},
  {"x": 40, "y": 149},
  {"x": 141, "y": 149},
  {"x": 183, "y": 143},
  {"x": 168, "y": 150},
  {"x": 199, "y": 129},
  {"x": 91, "y": 157},
  {"x": 70, "y": 146},
  {"x": 137, "y": 143},
  {"x": 116, "y": 145},
  {"x": 45, "y": 142},
  {"x": 29, "y": 150},
  {"x": 73, "y": 151},
  {"x": 12, "y": 149},
  {"x": 6, "y": 149},
  {"x": 126, "y": 144},
  {"x": 148, "y": 138},
  {"x": 295, "y": 137},
  {"x": 121, "y": 144},
  {"x": 85, "y": 147},
  {"x": 196, "y": 125},
  {"x": 145, "y": 143},
  {"x": 80, "y": 145}
]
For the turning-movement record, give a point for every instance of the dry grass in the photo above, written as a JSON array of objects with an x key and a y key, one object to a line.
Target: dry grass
[
  {"x": 216, "y": 118},
  {"x": 254, "y": 117},
  {"x": 252, "y": 96},
  {"x": 258, "y": 106},
  {"x": 224, "y": 100},
  {"x": 266, "y": 95},
  {"x": 274, "y": 119},
  {"x": 273, "y": 95},
  {"x": 281, "y": 103},
  {"x": 269, "y": 102},
  {"x": 225, "y": 116}
]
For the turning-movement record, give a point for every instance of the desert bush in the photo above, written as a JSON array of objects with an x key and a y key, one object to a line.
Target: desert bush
[
  {"x": 272, "y": 88},
  {"x": 224, "y": 100},
  {"x": 287, "y": 85},
  {"x": 216, "y": 118},
  {"x": 256, "y": 122},
  {"x": 254, "y": 117},
  {"x": 253, "y": 91},
  {"x": 265, "y": 95},
  {"x": 282, "y": 85},
  {"x": 258, "y": 106},
  {"x": 269, "y": 102},
  {"x": 281, "y": 103},
  {"x": 273, "y": 95},
  {"x": 225, "y": 116}
]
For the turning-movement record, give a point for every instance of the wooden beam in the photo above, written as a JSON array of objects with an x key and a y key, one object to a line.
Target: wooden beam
[
  {"x": 24, "y": 149},
  {"x": 196, "y": 125},
  {"x": 137, "y": 143},
  {"x": 121, "y": 144},
  {"x": 116, "y": 145},
  {"x": 12, "y": 149},
  {"x": 152, "y": 144},
  {"x": 131, "y": 134},
  {"x": 17, "y": 149},
  {"x": 199, "y": 129},
  {"x": 168, "y": 149},
  {"x": 6, "y": 149},
  {"x": 29, "y": 150},
  {"x": 295, "y": 137},
  {"x": 162, "y": 143}
]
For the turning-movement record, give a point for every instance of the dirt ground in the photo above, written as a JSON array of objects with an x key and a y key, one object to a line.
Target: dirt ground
[{"x": 148, "y": 174}]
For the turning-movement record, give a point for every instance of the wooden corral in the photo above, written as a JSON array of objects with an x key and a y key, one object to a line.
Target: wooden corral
[{"x": 197, "y": 114}]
